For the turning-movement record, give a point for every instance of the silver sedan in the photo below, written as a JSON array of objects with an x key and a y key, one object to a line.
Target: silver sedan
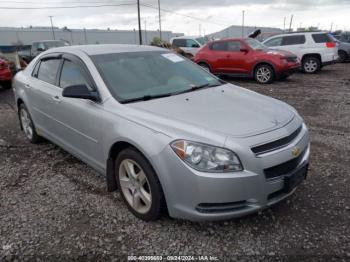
[{"x": 171, "y": 136}]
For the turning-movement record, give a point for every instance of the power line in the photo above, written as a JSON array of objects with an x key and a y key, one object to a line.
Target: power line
[
  {"x": 64, "y": 7},
  {"x": 184, "y": 15}
]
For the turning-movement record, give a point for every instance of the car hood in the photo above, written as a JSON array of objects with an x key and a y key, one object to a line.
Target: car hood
[{"x": 227, "y": 109}]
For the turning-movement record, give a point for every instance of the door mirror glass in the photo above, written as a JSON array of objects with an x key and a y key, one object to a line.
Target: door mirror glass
[
  {"x": 80, "y": 91},
  {"x": 195, "y": 45}
]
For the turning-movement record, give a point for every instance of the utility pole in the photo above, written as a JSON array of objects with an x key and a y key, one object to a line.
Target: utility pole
[
  {"x": 331, "y": 27},
  {"x": 85, "y": 36},
  {"x": 145, "y": 32},
  {"x": 284, "y": 25},
  {"x": 291, "y": 22},
  {"x": 139, "y": 18},
  {"x": 53, "y": 31},
  {"x": 160, "y": 21},
  {"x": 243, "y": 23},
  {"x": 200, "y": 30}
]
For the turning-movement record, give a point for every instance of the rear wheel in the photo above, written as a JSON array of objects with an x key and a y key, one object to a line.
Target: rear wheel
[
  {"x": 311, "y": 64},
  {"x": 7, "y": 84},
  {"x": 342, "y": 56},
  {"x": 27, "y": 125},
  {"x": 139, "y": 185},
  {"x": 264, "y": 74}
]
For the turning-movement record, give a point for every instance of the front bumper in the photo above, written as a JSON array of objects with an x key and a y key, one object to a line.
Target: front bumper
[{"x": 199, "y": 196}]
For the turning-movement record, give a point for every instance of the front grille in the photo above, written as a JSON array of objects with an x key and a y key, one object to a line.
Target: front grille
[
  {"x": 284, "y": 168},
  {"x": 221, "y": 207},
  {"x": 276, "y": 144}
]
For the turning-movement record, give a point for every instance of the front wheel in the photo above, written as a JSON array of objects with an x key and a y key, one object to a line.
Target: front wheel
[
  {"x": 205, "y": 66},
  {"x": 311, "y": 65},
  {"x": 139, "y": 185},
  {"x": 264, "y": 74}
]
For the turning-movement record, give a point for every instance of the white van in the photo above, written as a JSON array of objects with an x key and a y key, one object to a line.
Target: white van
[{"x": 189, "y": 44}]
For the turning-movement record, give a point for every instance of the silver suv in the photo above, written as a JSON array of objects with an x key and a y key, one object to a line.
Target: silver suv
[
  {"x": 314, "y": 49},
  {"x": 167, "y": 133}
]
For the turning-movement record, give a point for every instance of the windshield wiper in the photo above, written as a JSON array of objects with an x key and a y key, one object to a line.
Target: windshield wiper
[
  {"x": 194, "y": 88},
  {"x": 144, "y": 98}
]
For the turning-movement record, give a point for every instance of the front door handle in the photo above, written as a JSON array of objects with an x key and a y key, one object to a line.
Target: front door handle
[{"x": 56, "y": 99}]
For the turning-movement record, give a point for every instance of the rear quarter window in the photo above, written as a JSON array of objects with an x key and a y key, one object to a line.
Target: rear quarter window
[{"x": 321, "y": 38}]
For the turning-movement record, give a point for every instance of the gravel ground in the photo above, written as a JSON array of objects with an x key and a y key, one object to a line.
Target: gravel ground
[{"x": 54, "y": 206}]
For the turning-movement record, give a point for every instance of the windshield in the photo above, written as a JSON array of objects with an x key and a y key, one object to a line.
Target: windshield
[
  {"x": 53, "y": 44},
  {"x": 130, "y": 76},
  {"x": 255, "y": 44},
  {"x": 201, "y": 40}
]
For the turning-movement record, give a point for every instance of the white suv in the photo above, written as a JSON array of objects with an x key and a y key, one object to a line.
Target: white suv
[
  {"x": 314, "y": 49},
  {"x": 189, "y": 44}
]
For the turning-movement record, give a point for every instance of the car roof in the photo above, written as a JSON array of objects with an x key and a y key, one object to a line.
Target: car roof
[
  {"x": 299, "y": 33},
  {"x": 187, "y": 37},
  {"x": 106, "y": 49}
]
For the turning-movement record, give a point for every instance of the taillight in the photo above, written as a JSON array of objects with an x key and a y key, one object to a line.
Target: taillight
[{"x": 331, "y": 44}]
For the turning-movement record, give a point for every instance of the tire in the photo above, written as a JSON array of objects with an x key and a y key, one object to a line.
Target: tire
[
  {"x": 205, "y": 66},
  {"x": 139, "y": 185},
  {"x": 311, "y": 64},
  {"x": 7, "y": 84},
  {"x": 342, "y": 56},
  {"x": 264, "y": 74},
  {"x": 27, "y": 125}
]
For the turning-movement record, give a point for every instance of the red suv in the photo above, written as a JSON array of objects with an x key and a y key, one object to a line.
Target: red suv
[
  {"x": 247, "y": 57},
  {"x": 5, "y": 74}
]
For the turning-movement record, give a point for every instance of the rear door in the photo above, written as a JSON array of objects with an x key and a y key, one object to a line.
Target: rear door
[
  {"x": 42, "y": 92},
  {"x": 294, "y": 44}
]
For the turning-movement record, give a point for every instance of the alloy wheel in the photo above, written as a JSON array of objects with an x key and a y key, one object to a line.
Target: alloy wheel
[
  {"x": 26, "y": 123},
  {"x": 310, "y": 66},
  {"x": 263, "y": 74},
  {"x": 135, "y": 186}
]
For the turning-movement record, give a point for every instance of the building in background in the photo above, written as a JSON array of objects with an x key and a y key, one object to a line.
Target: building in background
[
  {"x": 25, "y": 36},
  {"x": 236, "y": 31}
]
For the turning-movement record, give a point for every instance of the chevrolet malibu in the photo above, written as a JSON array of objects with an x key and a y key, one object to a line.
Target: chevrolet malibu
[{"x": 170, "y": 135}]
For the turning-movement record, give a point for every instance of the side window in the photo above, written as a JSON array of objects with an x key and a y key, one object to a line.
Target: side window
[
  {"x": 234, "y": 46},
  {"x": 191, "y": 43},
  {"x": 48, "y": 70},
  {"x": 219, "y": 46},
  {"x": 274, "y": 42},
  {"x": 72, "y": 74},
  {"x": 293, "y": 40},
  {"x": 179, "y": 42},
  {"x": 321, "y": 38}
]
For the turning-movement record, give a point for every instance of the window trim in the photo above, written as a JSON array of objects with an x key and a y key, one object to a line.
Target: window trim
[
  {"x": 77, "y": 61},
  {"x": 54, "y": 56}
]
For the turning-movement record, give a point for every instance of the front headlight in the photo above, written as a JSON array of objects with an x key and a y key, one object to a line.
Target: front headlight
[{"x": 207, "y": 158}]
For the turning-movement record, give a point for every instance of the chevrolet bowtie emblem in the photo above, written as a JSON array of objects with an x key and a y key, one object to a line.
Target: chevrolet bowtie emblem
[{"x": 296, "y": 151}]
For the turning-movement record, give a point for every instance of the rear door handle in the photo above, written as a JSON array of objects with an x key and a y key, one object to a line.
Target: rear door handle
[{"x": 56, "y": 99}]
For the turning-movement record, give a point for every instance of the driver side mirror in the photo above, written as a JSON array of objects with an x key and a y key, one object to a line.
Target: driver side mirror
[
  {"x": 80, "y": 91},
  {"x": 244, "y": 50},
  {"x": 40, "y": 49},
  {"x": 195, "y": 45}
]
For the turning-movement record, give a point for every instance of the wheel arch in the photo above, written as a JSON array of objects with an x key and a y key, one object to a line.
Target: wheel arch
[
  {"x": 263, "y": 62},
  {"x": 313, "y": 55}
]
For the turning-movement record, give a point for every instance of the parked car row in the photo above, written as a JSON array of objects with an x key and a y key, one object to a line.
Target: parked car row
[{"x": 246, "y": 57}]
